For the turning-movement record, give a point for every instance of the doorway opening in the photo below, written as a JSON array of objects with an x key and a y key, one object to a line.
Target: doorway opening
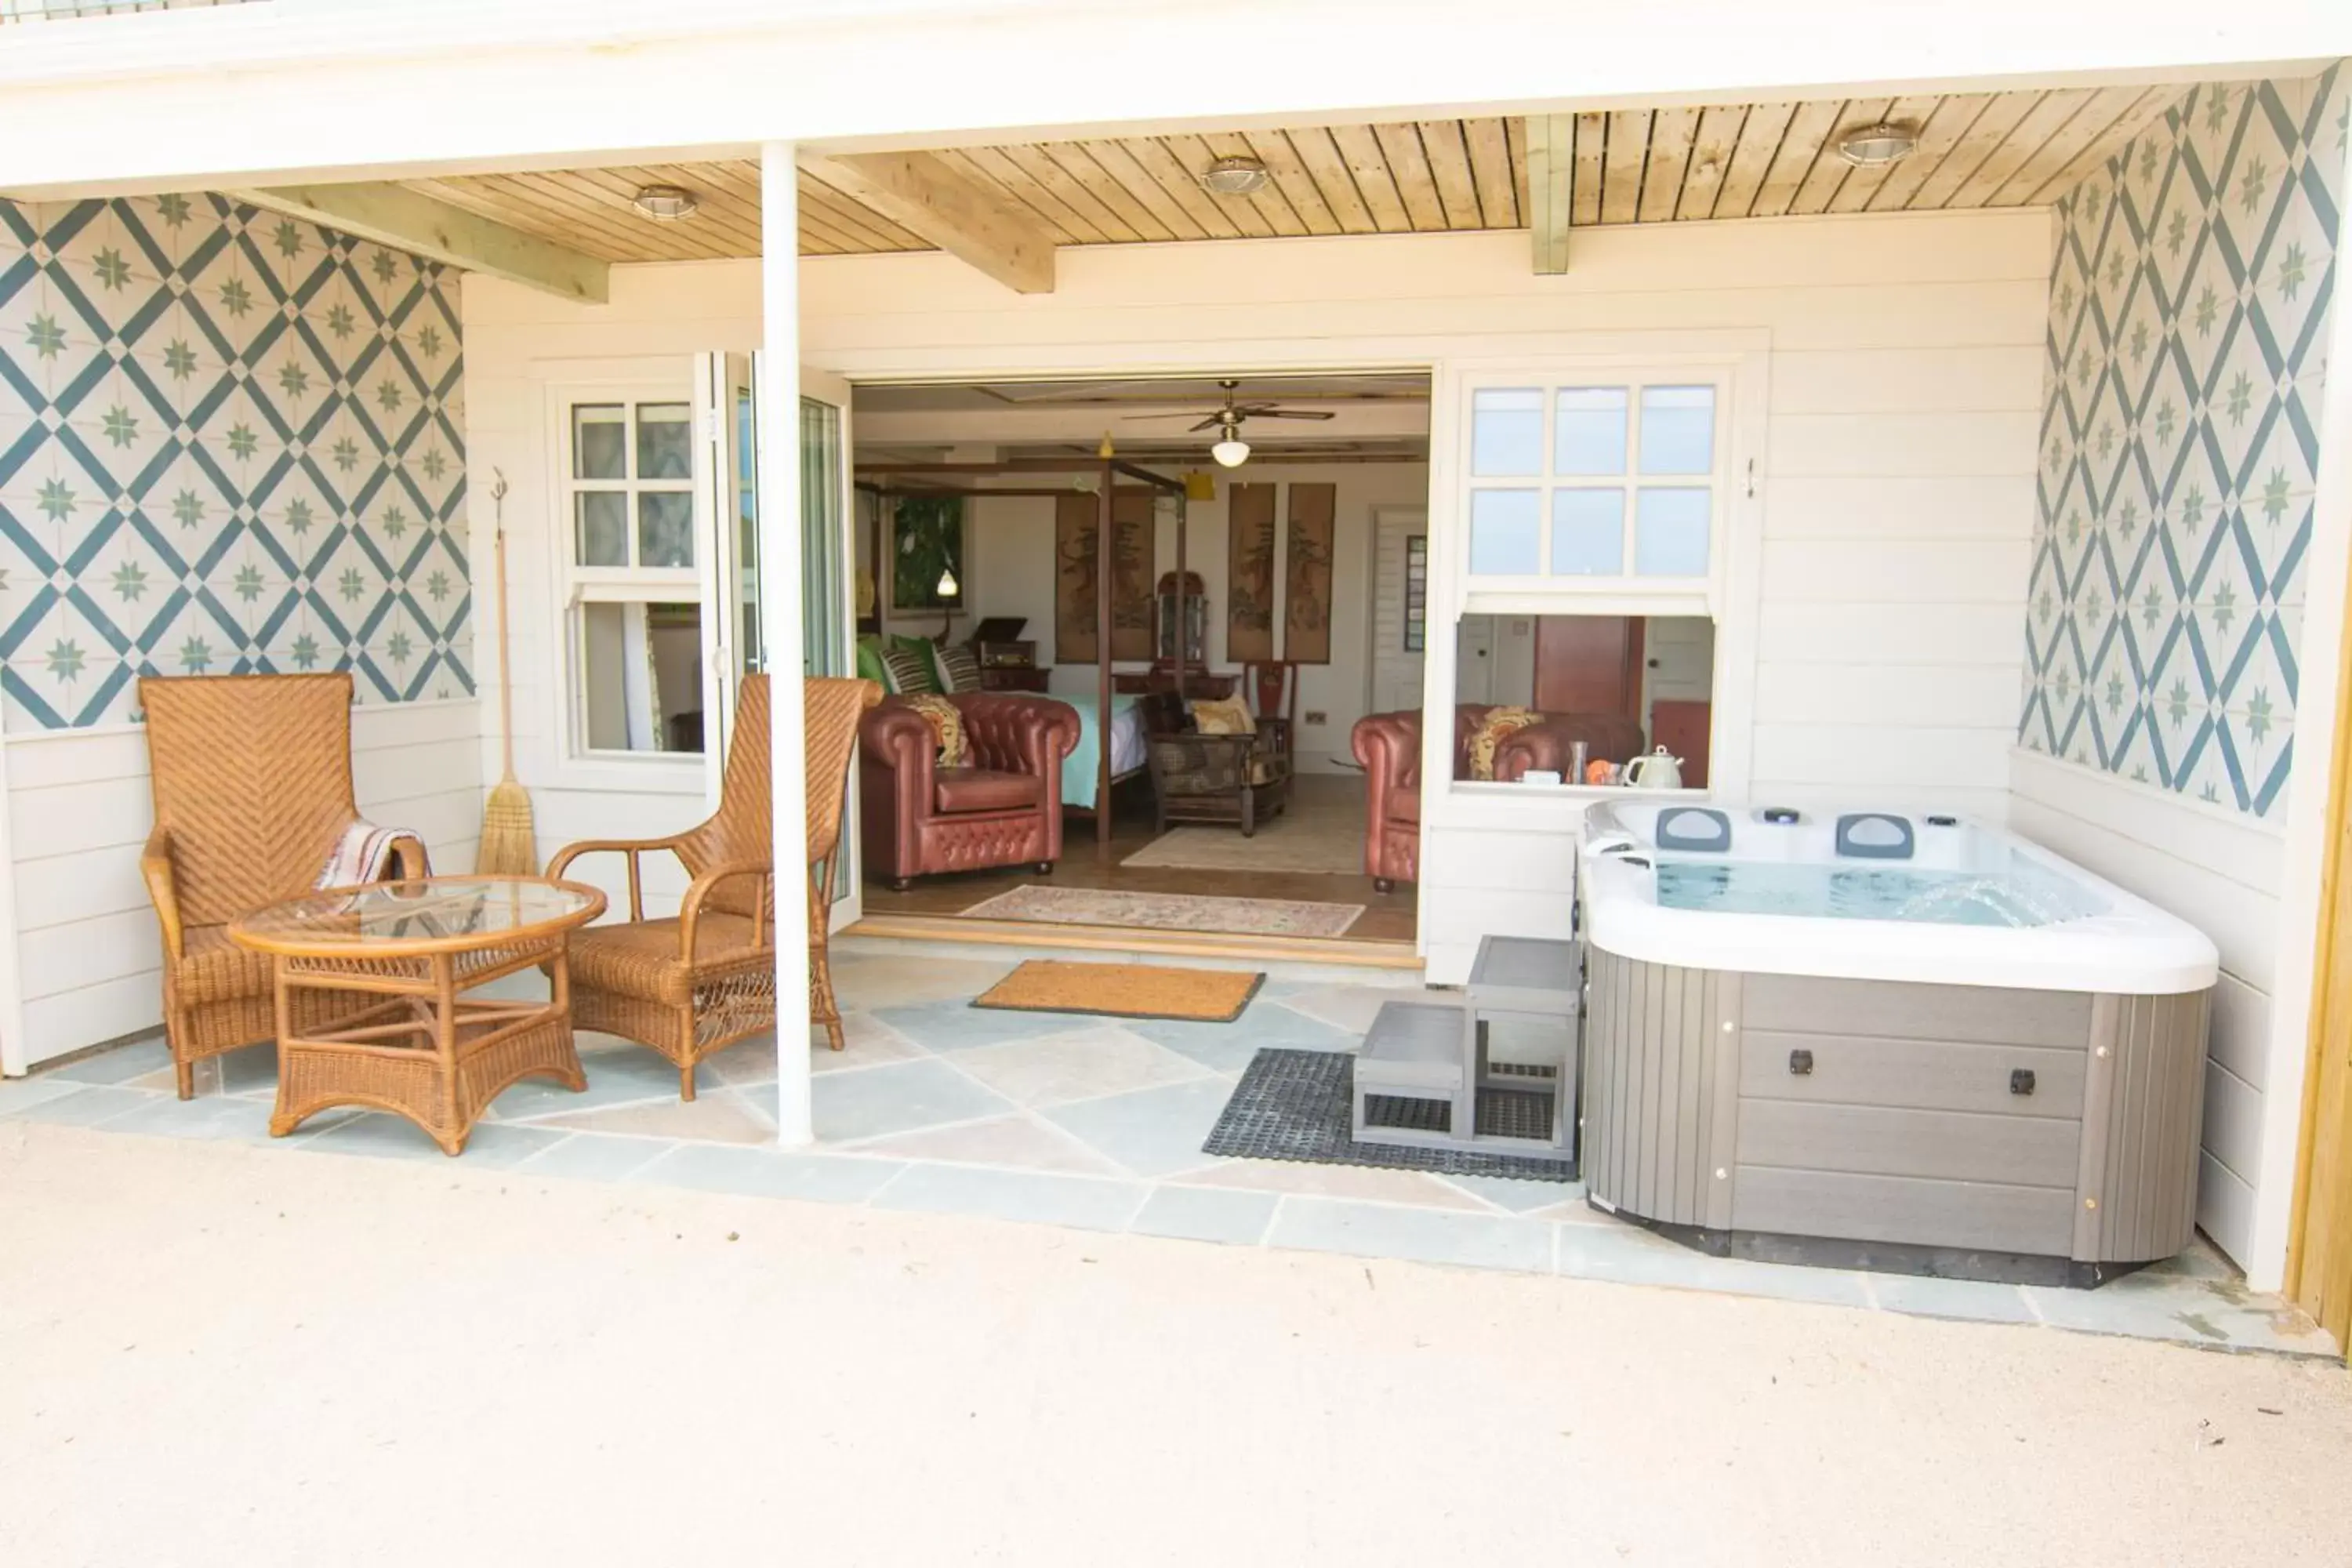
[{"x": 1212, "y": 608}]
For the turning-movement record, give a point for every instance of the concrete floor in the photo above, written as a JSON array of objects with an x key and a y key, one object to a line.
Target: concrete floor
[{"x": 203, "y": 1362}]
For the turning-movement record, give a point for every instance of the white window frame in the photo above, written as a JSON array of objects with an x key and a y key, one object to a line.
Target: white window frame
[
  {"x": 575, "y": 586},
  {"x": 1737, "y": 363}
]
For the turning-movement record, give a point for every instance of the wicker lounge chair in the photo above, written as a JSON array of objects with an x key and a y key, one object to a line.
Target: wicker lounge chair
[
  {"x": 692, "y": 986},
  {"x": 252, "y": 782}
]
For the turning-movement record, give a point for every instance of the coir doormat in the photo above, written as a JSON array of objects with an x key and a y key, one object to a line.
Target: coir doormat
[{"x": 1124, "y": 991}]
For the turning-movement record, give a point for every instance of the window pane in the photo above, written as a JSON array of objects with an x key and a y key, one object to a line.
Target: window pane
[
  {"x": 1677, "y": 430},
  {"x": 1588, "y": 532},
  {"x": 599, "y": 442},
  {"x": 1505, "y": 533},
  {"x": 1670, "y": 529},
  {"x": 1506, "y": 433},
  {"x": 663, "y": 450},
  {"x": 601, "y": 528},
  {"x": 1590, "y": 434},
  {"x": 665, "y": 528},
  {"x": 641, "y": 676}
]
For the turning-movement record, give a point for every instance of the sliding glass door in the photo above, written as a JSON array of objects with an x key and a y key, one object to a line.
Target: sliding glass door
[{"x": 728, "y": 414}]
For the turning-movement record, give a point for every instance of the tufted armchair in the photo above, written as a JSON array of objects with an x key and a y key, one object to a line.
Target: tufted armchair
[
  {"x": 917, "y": 818},
  {"x": 1388, "y": 747}
]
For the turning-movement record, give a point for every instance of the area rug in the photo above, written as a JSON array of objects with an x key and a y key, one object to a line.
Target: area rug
[
  {"x": 1124, "y": 991},
  {"x": 1294, "y": 1105},
  {"x": 1168, "y": 911},
  {"x": 1325, "y": 843}
]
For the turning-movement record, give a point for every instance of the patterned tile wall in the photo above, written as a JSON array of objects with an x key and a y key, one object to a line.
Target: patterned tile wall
[
  {"x": 229, "y": 442},
  {"x": 2188, "y": 311}
]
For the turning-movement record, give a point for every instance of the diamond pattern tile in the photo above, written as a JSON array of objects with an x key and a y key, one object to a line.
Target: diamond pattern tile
[
  {"x": 2189, "y": 298},
  {"x": 228, "y": 442}
]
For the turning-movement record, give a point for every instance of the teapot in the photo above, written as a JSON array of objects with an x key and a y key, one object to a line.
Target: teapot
[{"x": 1654, "y": 770}]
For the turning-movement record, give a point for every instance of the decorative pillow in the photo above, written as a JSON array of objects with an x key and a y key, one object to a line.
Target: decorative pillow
[
  {"x": 955, "y": 669},
  {"x": 869, "y": 662},
  {"x": 1498, "y": 726},
  {"x": 947, "y": 728},
  {"x": 1223, "y": 716},
  {"x": 905, "y": 671}
]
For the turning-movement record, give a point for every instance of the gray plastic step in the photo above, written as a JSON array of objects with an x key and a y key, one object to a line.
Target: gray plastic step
[
  {"x": 1413, "y": 1047},
  {"x": 1525, "y": 975}
]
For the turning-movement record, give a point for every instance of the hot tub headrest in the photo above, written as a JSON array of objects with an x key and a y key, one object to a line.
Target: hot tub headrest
[
  {"x": 1701, "y": 829},
  {"x": 1874, "y": 836}
]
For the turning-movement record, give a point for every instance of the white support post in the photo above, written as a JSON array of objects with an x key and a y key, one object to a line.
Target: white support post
[{"x": 778, "y": 447}]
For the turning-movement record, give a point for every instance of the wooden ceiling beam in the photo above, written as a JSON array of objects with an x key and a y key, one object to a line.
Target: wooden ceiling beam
[
  {"x": 424, "y": 226},
  {"x": 926, "y": 198},
  {"x": 1551, "y": 169}
]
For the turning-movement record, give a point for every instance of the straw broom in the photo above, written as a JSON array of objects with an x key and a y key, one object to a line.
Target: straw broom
[{"x": 509, "y": 847}]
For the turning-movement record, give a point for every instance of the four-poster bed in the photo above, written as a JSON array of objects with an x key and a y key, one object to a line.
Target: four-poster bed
[{"x": 881, "y": 480}]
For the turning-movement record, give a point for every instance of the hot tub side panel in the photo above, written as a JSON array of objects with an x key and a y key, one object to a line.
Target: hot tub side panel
[
  {"x": 1660, "y": 1097},
  {"x": 2143, "y": 1115},
  {"x": 2037, "y": 1124}
]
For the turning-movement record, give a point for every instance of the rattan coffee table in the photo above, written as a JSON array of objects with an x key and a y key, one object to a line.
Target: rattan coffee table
[{"x": 425, "y": 1051}]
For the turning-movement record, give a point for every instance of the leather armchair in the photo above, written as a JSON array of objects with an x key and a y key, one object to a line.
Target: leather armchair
[
  {"x": 917, "y": 818},
  {"x": 1389, "y": 747}
]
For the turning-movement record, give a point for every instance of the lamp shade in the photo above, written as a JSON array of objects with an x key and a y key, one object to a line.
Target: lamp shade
[{"x": 1231, "y": 453}]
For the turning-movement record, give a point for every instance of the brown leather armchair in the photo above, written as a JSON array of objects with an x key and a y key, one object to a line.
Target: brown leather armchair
[
  {"x": 917, "y": 818},
  {"x": 1388, "y": 747}
]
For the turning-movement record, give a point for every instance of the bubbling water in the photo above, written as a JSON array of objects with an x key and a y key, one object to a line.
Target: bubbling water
[{"x": 2023, "y": 894}]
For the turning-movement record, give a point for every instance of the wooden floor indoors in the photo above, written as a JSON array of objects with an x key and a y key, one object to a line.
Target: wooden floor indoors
[{"x": 1387, "y": 918}]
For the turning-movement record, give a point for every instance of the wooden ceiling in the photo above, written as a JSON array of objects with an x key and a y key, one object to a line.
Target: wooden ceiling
[{"x": 1765, "y": 160}]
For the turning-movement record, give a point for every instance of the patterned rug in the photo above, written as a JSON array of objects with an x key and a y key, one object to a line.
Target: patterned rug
[
  {"x": 1328, "y": 842},
  {"x": 1168, "y": 911},
  {"x": 1294, "y": 1105}
]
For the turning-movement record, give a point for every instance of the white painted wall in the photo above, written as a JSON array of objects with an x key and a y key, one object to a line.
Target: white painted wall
[
  {"x": 1896, "y": 458},
  {"x": 2220, "y": 868},
  {"x": 88, "y": 949}
]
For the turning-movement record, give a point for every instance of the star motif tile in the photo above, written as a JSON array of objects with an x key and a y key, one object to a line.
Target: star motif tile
[{"x": 141, "y": 518}]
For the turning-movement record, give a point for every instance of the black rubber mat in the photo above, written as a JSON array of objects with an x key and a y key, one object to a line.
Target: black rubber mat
[{"x": 1293, "y": 1105}]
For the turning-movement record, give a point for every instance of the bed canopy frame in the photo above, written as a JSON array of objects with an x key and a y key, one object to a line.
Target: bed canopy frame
[{"x": 938, "y": 479}]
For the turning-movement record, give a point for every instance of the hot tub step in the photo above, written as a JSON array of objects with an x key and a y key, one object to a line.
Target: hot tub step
[{"x": 1413, "y": 1048}]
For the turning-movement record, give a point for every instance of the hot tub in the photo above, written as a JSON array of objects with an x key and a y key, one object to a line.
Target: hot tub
[{"x": 1885, "y": 1041}]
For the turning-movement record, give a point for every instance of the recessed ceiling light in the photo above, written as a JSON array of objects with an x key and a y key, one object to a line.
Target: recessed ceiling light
[
  {"x": 668, "y": 203},
  {"x": 1235, "y": 177},
  {"x": 1876, "y": 146}
]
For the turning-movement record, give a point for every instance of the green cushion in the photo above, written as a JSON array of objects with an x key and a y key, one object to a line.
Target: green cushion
[{"x": 869, "y": 662}]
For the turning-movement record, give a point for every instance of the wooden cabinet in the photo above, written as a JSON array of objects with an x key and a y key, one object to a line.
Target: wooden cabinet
[
  {"x": 1682, "y": 727},
  {"x": 1588, "y": 664},
  {"x": 1012, "y": 679}
]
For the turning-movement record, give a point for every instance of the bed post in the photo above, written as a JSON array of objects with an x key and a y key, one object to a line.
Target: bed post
[{"x": 1106, "y": 563}]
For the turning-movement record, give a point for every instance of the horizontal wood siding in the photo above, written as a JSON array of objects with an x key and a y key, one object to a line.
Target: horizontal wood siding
[
  {"x": 79, "y": 811},
  {"x": 2219, "y": 871}
]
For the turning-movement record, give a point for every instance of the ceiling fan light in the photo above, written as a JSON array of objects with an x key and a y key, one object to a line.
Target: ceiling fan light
[
  {"x": 1235, "y": 176},
  {"x": 1232, "y": 452},
  {"x": 1876, "y": 146},
  {"x": 667, "y": 203}
]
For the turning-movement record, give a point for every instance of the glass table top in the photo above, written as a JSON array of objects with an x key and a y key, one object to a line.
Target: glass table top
[{"x": 460, "y": 911}]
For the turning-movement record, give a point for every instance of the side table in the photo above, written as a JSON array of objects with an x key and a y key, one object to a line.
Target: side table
[{"x": 425, "y": 1051}]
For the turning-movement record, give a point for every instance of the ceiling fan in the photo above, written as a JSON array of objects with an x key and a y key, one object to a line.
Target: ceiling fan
[{"x": 1229, "y": 451}]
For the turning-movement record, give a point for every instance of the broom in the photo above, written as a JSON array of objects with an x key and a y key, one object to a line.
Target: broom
[{"x": 509, "y": 847}]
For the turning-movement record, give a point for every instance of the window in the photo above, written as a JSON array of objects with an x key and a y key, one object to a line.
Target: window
[
  {"x": 635, "y": 626},
  {"x": 1416, "y": 592},
  {"x": 1601, "y": 483},
  {"x": 1624, "y": 684}
]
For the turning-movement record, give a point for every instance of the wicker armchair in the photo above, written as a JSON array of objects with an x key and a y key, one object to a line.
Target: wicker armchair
[
  {"x": 252, "y": 782},
  {"x": 692, "y": 986}
]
